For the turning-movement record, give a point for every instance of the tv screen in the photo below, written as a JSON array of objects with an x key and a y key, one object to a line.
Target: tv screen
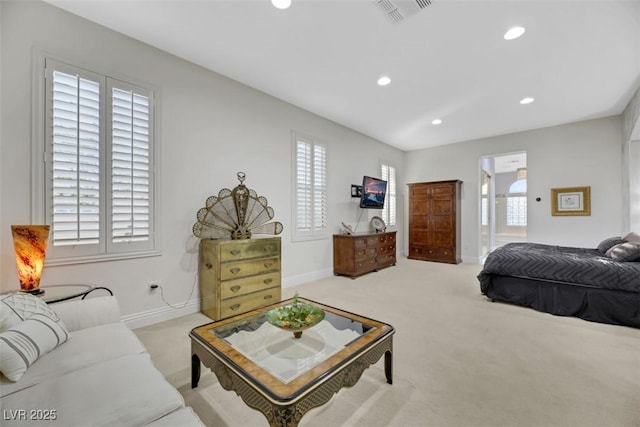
[{"x": 374, "y": 191}]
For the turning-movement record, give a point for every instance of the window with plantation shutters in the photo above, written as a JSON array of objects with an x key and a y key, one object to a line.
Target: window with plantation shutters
[
  {"x": 388, "y": 173},
  {"x": 98, "y": 159},
  {"x": 310, "y": 170}
]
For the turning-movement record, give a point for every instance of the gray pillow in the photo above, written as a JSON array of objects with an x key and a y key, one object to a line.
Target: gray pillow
[
  {"x": 625, "y": 252},
  {"x": 632, "y": 237},
  {"x": 607, "y": 244}
]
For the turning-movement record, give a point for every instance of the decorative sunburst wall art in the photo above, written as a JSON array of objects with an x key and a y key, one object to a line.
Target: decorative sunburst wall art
[{"x": 236, "y": 213}]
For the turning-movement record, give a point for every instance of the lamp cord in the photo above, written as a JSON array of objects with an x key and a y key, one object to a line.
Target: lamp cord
[{"x": 193, "y": 286}]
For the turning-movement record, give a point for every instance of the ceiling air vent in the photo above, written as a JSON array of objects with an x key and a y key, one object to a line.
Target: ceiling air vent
[{"x": 399, "y": 10}]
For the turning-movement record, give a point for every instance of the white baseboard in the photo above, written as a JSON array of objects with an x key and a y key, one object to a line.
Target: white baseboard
[
  {"x": 472, "y": 260},
  {"x": 156, "y": 315}
]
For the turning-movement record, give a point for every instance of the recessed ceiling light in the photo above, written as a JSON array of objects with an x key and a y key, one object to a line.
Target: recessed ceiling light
[
  {"x": 384, "y": 80},
  {"x": 436, "y": 122},
  {"x": 526, "y": 100},
  {"x": 281, "y": 4},
  {"x": 514, "y": 33}
]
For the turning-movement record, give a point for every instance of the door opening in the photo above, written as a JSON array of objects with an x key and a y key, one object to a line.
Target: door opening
[{"x": 503, "y": 200}]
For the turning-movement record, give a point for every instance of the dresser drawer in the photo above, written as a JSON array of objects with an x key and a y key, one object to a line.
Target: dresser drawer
[
  {"x": 364, "y": 253},
  {"x": 246, "y": 285},
  {"x": 372, "y": 241},
  {"x": 386, "y": 260},
  {"x": 238, "y": 269},
  {"x": 360, "y": 243},
  {"x": 233, "y": 306},
  {"x": 250, "y": 249},
  {"x": 365, "y": 265}
]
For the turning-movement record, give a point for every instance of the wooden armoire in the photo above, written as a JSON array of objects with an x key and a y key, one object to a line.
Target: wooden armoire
[{"x": 434, "y": 221}]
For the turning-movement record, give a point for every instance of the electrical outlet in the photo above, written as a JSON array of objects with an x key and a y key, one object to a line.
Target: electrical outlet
[{"x": 153, "y": 286}]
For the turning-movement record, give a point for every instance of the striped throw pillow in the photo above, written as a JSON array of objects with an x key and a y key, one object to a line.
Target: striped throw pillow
[{"x": 23, "y": 344}]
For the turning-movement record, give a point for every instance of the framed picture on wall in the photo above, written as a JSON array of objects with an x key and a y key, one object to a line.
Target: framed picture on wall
[{"x": 570, "y": 201}]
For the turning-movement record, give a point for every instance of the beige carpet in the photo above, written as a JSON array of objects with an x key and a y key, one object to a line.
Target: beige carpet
[{"x": 459, "y": 359}]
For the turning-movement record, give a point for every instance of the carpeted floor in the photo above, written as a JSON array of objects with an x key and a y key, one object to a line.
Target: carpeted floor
[{"x": 459, "y": 359}]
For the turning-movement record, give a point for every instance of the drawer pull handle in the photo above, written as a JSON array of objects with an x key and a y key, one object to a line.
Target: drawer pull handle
[
  {"x": 209, "y": 266},
  {"x": 269, "y": 280},
  {"x": 235, "y": 270},
  {"x": 268, "y": 296},
  {"x": 268, "y": 264},
  {"x": 235, "y": 251},
  {"x": 235, "y": 288},
  {"x": 234, "y": 307}
]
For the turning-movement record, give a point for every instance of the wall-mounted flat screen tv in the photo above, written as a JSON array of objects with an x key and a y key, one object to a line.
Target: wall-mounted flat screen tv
[{"x": 374, "y": 191}]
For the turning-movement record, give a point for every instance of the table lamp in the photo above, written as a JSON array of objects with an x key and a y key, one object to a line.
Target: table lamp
[{"x": 30, "y": 246}]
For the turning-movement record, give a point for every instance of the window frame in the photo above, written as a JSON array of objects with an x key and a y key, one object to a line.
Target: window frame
[
  {"x": 313, "y": 234},
  {"x": 41, "y": 155},
  {"x": 392, "y": 194}
]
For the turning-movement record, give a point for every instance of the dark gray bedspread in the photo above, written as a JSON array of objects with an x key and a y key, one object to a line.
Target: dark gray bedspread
[{"x": 564, "y": 264}]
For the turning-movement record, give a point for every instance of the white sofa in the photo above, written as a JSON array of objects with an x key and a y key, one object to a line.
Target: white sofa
[{"x": 101, "y": 376}]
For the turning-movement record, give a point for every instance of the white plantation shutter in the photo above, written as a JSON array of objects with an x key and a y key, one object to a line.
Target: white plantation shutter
[
  {"x": 304, "y": 186},
  {"x": 310, "y": 188},
  {"x": 319, "y": 188},
  {"x": 73, "y": 165},
  {"x": 130, "y": 165},
  {"x": 389, "y": 210},
  {"x": 98, "y": 164}
]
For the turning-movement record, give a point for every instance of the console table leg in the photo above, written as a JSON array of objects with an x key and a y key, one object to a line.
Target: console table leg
[
  {"x": 388, "y": 366},
  {"x": 195, "y": 370}
]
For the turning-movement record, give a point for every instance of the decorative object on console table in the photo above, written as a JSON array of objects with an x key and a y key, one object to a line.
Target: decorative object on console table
[
  {"x": 571, "y": 201},
  {"x": 237, "y": 276},
  {"x": 378, "y": 224},
  {"x": 236, "y": 213},
  {"x": 357, "y": 254},
  {"x": 30, "y": 246},
  {"x": 434, "y": 221}
]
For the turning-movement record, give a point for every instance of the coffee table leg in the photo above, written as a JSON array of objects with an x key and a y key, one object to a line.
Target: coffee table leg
[
  {"x": 195, "y": 370},
  {"x": 388, "y": 366}
]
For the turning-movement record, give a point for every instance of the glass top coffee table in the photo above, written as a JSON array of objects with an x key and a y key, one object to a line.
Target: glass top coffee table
[{"x": 281, "y": 376}]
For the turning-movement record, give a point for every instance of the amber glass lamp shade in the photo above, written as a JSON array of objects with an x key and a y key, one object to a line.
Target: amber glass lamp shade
[{"x": 30, "y": 245}]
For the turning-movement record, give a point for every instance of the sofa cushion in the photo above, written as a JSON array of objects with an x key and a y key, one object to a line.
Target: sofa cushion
[
  {"x": 23, "y": 344},
  {"x": 16, "y": 307},
  {"x": 81, "y": 314},
  {"x": 85, "y": 348},
  {"x": 127, "y": 391}
]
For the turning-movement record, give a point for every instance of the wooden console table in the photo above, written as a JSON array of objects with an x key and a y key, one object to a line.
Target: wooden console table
[{"x": 357, "y": 254}]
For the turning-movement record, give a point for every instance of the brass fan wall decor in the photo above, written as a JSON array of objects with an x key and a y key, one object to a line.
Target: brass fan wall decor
[{"x": 237, "y": 213}]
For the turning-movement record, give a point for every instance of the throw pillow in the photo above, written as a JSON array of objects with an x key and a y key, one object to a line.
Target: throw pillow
[
  {"x": 14, "y": 308},
  {"x": 625, "y": 252},
  {"x": 23, "y": 344},
  {"x": 632, "y": 237},
  {"x": 607, "y": 244}
]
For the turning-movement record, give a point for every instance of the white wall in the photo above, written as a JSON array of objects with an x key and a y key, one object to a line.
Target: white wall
[
  {"x": 631, "y": 163},
  {"x": 211, "y": 127},
  {"x": 579, "y": 154}
]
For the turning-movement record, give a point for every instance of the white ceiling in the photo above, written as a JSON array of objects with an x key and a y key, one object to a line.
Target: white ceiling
[{"x": 579, "y": 59}]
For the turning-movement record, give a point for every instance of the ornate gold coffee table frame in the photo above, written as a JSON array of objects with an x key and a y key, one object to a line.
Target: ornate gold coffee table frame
[{"x": 284, "y": 403}]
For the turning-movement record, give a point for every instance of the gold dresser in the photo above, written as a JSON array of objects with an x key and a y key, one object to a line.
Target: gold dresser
[{"x": 237, "y": 276}]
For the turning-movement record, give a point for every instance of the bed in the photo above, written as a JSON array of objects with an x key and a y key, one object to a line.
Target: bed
[{"x": 600, "y": 284}]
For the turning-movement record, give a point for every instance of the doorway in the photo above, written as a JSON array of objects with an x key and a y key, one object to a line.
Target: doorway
[{"x": 503, "y": 200}]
